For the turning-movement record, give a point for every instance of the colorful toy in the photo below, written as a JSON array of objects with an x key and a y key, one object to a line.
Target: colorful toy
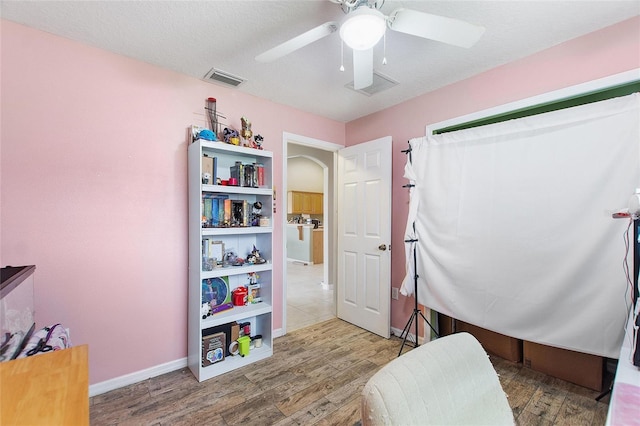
[
  {"x": 243, "y": 345},
  {"x": 258, "y": 141},
  {"x": 231, "y": 136},
  {"x": 246, "y": 128},
  {"x": 205, "y": 310}
]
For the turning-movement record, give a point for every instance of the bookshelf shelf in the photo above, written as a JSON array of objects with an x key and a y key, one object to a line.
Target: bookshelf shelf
[
  {"x": 233, "y": 230},
  {"x": 237, "y": 231},
  {"x": 237, "y": 313}
]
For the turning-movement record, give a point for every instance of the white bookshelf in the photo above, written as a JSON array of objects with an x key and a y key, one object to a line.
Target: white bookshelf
[{"x": 241, "y": 240}]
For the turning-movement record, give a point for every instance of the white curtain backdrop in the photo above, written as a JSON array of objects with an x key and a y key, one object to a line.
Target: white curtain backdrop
[{"x": 514, "y": 227}]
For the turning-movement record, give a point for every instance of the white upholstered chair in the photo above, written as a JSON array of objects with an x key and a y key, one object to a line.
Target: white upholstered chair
[{"x": 449, "y": 381}]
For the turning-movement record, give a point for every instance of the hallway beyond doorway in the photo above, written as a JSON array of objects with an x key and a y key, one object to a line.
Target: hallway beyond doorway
[{"x": 308, "y": 300}]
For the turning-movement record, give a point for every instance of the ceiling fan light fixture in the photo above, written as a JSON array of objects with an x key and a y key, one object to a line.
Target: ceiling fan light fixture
[{"x": 363, "y": 28}]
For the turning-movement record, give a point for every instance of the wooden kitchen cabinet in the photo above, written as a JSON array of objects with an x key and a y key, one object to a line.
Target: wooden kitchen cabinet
[
  {"x": 299, "y": 202},
  {"x": 318, "y": 246},
  {"x": 316, "y": 203}
]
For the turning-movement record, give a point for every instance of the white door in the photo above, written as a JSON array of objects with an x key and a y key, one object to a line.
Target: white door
[{"x": 364, "y": 235}]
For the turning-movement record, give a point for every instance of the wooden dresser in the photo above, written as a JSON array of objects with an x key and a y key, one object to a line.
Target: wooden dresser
[{"x": 46, "y": 389}]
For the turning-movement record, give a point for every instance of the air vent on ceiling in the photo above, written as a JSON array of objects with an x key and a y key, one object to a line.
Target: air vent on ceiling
[
  {"x": 380, "y": 82},
  {"x": 218, "y": 76}
]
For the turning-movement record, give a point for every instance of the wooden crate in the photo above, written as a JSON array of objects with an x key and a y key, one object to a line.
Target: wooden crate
[
  {"x": 505, "y": 347},
  {"x": 582, "y": 369}
]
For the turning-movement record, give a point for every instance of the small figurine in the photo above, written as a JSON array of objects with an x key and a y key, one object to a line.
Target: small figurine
[
  {"x": 231, "y": 258},
  {"x": 258, "y": 141},
  {"x": 246, "y": 129},
  {"x": 256, "y": 213},
  {"x": 206, "y": 178},
  {"x": 255, "y": 256},
  {"x": 205, "y": 310},
  {"x": 231, "y": 136}
]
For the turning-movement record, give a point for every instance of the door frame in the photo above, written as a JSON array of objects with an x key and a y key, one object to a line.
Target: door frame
[{"x": 330, "y": 216}]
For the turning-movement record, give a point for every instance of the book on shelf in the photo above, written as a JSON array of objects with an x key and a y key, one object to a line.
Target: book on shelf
[
  {"x": 213, "y": 348},
  {"x": 259, "y": 174},
  {"x": 240, "y": 213},
  {"x": 207, "y": 209},
  {"x": 237, "y": 172},
  {"x": 212, "y": 207},
  {"x": 226, "y": 217},
  {"x": 208, "y": 170},
  {"x": 247, "y": 174}
]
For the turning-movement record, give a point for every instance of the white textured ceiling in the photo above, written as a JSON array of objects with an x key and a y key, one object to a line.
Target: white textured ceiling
[{"x": 191, "y": 37}]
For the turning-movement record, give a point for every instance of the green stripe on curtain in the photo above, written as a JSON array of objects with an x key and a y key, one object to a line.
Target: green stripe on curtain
[{"x": 600, "y": 95}]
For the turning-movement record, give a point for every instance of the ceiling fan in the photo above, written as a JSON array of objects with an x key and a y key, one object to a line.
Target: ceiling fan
[{"x": 363, "y": 27}]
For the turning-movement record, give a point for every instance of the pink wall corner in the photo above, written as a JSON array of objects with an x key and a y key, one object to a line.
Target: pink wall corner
[
  {"x": 612, "y": 50},
  {"x": 94, "y": 191}
]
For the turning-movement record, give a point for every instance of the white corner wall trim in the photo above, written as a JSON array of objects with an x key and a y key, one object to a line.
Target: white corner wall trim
[
  {"x": 410, "y": 337},
  {"x": 556, "y": 95},
  {"x": 135, "y": 377}
]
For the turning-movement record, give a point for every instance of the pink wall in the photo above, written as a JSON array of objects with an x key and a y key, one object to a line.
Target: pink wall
[
  {"x": 94, "y": 190},
  {"x": 606, "y": 52}
]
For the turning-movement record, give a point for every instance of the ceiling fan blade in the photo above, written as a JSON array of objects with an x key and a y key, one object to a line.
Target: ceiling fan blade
[
  {"x": 362, "y": 68},
  {"x": 298, "y": 42},
  {"x": 435, "y": 27}
]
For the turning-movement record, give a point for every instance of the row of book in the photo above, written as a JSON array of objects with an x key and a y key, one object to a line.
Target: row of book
[
  {"x": 251, "y": 175},
  {"x": 220, "y": 211}
]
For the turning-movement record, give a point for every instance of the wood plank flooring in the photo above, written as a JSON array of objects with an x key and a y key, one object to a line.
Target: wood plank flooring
[{"x": 315, "y": 377}]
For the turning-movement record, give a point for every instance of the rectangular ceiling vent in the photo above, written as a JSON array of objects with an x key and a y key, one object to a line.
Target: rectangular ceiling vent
[
  {"x": 380, "y": 82},
  {"x": 219, "y": 76}
]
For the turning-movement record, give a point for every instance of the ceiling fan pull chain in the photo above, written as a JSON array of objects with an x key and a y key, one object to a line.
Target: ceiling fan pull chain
[
  {"x": 384, "y": 48},
  {"x": 341, "y": 55}
]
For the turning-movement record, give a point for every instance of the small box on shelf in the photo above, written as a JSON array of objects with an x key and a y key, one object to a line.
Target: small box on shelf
[{"x": 213, "y": 349}]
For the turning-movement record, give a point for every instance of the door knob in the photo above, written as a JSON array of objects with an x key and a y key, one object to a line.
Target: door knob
[{"x": 382, "y": 247}]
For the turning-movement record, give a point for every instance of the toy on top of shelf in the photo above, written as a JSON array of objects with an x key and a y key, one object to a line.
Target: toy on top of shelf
[
  {"x": 207, "y": 135},
  {"x": 246, "y": 129},
  {"x": 258, "y": 139},
  {"x": 231, "y": 136}
]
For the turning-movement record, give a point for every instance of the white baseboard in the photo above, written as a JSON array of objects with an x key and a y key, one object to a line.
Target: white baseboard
[
  {"x": 410, "y": 337},
  {"x": 138, "y": 376}
]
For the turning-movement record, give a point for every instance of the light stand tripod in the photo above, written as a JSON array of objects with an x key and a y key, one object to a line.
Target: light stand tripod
[{"x": 417, "y": 313}]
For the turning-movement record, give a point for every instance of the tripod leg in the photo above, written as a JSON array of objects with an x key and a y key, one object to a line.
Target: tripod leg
[
  {"x": 405, "y": 333},
  {"x": 427, "y": 321}
]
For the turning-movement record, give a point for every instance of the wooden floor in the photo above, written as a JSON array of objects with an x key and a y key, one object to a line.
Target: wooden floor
[{"x": 315, "y": 377}]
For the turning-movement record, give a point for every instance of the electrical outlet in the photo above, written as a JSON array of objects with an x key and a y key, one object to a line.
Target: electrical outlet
[{"x": 394, "y": 293}]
